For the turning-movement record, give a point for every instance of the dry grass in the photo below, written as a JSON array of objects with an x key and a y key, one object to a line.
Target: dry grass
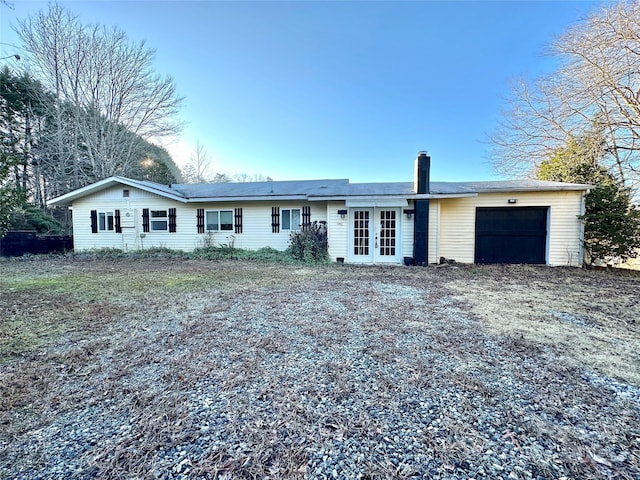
[
  {"x": 590, "y": 318},
  {"x": 261, "y": 370}
]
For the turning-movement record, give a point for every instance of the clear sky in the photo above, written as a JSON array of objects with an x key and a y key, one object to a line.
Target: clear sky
[{"x": 303, "y": 90}]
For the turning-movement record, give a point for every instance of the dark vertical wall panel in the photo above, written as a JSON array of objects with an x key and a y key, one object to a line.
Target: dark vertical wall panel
[
  {"x": 421, "y": 217},
  {"x": 421, "y": 232}
]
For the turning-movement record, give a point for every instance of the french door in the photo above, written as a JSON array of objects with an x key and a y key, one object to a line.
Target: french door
[{"x": 374, "y": 235}]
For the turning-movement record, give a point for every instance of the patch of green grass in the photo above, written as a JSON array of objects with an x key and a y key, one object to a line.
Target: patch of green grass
[
  {"x": 265, "y": 254},
  {"x": 45, "y": 299},
  {"x": 218, "y": 252},
  {"x": 18, "y": 336}
]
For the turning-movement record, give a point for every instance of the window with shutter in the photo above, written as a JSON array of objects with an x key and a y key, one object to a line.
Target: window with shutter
[
  {"x": 104, "y": 221},
  {"x": 159, "y": 220},
  {"x": 290, "y": 219},
  {"x": 219, "y": 220}
]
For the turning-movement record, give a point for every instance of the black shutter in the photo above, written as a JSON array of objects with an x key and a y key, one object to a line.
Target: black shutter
[
  {"x": 275, "y": 219},
  {"x": 94, "y": 221},
  {"x": 200, "y": 220},
  {"x": 238, "y": 220},
  {"x": 145, "y": 220},
  {"x": 118, "y": 224},
  {"x": 306, "y": 217},
  {"x": 172, "y": 220}
]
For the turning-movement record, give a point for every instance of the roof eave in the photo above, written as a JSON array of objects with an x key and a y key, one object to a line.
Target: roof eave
[
  {"x": 69, "y": 198},
  {"x": 411, "y": 196},
  {"x": 558, "y": 188}
]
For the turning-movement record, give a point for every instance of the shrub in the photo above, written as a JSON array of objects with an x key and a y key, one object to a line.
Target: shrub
[
  {"x": 310, "y": 244},
  {"x": 266, "y": 254},
  {"x": 29, "y": 217}
]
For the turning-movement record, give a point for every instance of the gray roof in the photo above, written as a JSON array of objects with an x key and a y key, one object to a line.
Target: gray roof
[
  {"x": 342, "y": 188},
  {"x": 313, "y": 189},
  {"x": 504, "y": 186},
  {"x": 454, "y": 188},
  {"x": 292, "y": 188}
]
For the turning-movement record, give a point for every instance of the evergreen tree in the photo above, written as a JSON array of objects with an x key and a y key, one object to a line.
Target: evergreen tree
[
  {"x": 9, "y": 197},
  {"x": 611, "y": 221}
]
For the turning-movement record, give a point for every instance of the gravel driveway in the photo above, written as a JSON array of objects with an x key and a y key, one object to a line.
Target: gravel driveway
[{"x": 191, "y": 369}]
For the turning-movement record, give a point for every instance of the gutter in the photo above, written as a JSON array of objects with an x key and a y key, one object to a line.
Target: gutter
[{"x": 264, "y": 198}]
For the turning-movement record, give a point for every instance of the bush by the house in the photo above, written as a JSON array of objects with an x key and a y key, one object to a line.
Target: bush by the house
[
  {"x": 28, "y": 217},
  {"x": 310, "y": 244}
]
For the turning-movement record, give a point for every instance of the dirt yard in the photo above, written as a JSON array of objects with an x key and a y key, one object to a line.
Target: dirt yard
[{"x": 167, "y": 369}]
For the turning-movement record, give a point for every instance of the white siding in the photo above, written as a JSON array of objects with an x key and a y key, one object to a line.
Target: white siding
[
  {"x": 456, "y": 230},
  {"x": 434, "y": 230},
  {"x": 407, "y": 232},
  {"x": 451, "y": 224},
  {"x": 256, "y": 221},
  {"x": 338, "y": 230}
]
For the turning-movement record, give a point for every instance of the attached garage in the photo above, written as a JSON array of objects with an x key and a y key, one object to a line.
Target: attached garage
[{"x": 511, "y": 235}]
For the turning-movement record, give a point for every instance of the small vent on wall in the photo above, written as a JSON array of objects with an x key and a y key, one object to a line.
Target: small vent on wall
[{"x": 125, "y": 193}]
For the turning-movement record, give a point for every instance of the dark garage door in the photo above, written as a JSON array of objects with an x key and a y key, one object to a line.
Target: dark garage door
[{"x": 511, "y": 235}]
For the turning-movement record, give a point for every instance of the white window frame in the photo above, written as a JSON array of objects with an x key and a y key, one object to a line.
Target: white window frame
[
  {"x": 219, "y": 223},
  {"x": 106, "y": 222},
  {"x": 158, "y": 218},
  {"x": 289, "y": 215}
]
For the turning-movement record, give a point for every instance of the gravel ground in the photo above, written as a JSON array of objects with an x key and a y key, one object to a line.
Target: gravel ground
[{"x": 234, "y": 370}]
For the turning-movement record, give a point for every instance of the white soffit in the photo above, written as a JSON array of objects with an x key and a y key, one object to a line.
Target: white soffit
[{"x": 375, "y": 202}]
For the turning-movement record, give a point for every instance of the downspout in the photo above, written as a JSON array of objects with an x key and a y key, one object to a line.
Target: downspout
[
  {"x": 421, "y": 217},
  {"x": 581, "y": 242}
]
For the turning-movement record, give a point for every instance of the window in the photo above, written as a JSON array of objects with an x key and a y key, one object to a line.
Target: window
[
  {"x": 125, "y": 193},
  {"x": 159, "y": 220},
  {"x": 290, "y": 219},
  {"x": 219, "y": 220},
  {"x": 105, "y": 221}
]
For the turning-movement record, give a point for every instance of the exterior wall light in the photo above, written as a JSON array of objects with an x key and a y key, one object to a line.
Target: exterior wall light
[
  {"x": 512, "y": 201},
  {"x": 342, "y": 213},
  {"x": 409, "y": 212}
]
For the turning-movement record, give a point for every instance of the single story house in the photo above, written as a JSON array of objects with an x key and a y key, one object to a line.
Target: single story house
[{"x": 519, "y": 221}]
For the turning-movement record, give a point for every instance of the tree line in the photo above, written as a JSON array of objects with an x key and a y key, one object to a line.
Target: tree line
[
  {"x": 84, "y": 105},
  {"x": 581, "y": 123}
]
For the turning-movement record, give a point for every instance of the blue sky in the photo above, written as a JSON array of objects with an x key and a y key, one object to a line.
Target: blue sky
[{"x": 303, "y": 90}]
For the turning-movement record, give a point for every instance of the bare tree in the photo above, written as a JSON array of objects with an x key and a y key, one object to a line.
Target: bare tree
[
  {"x": 198, "y": 170},
  {"x": 245, "y": 177},
  {"x": 596, "y": 88},
  {"x": 108, "y": 98}
]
